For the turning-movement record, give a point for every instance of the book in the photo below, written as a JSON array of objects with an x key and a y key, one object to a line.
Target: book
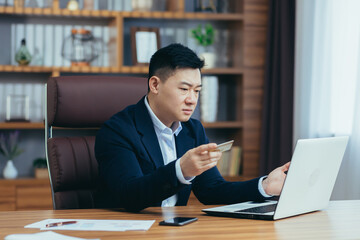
[
  {"x": 230, "y": 162},
  {"x": 235, "y": 160}
]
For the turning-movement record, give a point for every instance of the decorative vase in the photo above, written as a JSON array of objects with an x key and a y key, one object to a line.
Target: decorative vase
[
  {"x": 23, "y": 56},
  {"x": 72, "y": 5},
  {"x": 81, "y": 47},
  {"x": 209, "y": 98},
  {"x": 10, "y": 171},
  {"x": 209, "y": 58}
]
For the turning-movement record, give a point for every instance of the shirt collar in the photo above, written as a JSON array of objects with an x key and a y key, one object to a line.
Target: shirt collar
[{"x": 175, "y": 127}]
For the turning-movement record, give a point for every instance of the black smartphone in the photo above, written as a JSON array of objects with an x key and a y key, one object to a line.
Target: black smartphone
[{"x": 178, "y": 221}]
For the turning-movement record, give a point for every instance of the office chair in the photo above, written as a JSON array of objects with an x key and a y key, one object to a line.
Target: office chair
[{"x": 81, "y": 102}]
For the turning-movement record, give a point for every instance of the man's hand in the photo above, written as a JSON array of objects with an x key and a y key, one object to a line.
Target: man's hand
[
  {"x": 198, "y": 160},
  {"x": 275, "y": 180}
]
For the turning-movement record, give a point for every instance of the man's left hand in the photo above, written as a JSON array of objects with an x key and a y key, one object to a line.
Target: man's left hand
[{"x": 275, "y": 180}]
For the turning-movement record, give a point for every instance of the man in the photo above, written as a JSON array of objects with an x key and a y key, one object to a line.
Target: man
[{"x": 154, "y": 154}]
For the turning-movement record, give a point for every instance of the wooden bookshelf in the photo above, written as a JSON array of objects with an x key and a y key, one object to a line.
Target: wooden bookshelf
[
  {"x": 43, "y": 69},
  {"x": 246, "y": 54},
  {"x": 94, "y": 69},
  {"x": 53, "y": 12},
  {"x": 22, "y": 125}
]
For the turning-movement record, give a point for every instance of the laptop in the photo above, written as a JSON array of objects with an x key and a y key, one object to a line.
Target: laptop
[{"x": 308, "y": 185}]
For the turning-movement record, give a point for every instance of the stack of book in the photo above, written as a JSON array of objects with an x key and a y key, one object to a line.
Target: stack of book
[{"x": 230, "y": 162}]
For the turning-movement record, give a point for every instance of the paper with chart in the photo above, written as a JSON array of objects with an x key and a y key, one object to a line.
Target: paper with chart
[{"x": 95, "y": 225}]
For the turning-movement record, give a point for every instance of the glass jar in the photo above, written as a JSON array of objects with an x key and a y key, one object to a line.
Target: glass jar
[
  {"x": 81, "y": 47},
  {"x": 23, "y": 56}
]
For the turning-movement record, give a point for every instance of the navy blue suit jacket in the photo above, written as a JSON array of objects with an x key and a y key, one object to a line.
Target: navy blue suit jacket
[{"x": 132, "y": 171}]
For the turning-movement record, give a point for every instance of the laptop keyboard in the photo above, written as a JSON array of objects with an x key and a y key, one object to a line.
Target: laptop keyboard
[{"x": 261, "y": 209}]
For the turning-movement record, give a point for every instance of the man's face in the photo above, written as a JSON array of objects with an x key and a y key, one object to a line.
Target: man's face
[{"x": 176, "y": 98}]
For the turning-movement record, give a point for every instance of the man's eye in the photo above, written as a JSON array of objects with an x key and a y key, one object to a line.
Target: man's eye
[
  {"x": 197, "y": 91},
  {"x": 183, "y": 89}
]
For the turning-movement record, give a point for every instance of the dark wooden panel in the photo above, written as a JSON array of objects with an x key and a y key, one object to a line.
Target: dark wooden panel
[
  {"x": 7, "y": 198},
  {"x": 251, "y": 164},
  {"x": 255, "y": 31},
  {"x": 254, "y": 78},
  {"x": 37, "y": 197},
  {"x": 253, "y": 99},
  {"x": 252, "y": 119},
  {"x": 255, "y": 43},
  {"x": 256, "y": 12},
  {"x": 252, "y": 140}
]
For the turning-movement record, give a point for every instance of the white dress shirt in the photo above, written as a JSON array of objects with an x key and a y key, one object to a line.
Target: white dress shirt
[{"x": 166, "y": 138}]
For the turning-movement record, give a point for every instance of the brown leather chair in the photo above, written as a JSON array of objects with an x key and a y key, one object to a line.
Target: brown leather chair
[{"x": 81, "y": 102}]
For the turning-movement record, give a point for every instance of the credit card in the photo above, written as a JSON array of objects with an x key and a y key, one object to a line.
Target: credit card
[{"x": 226, "y": 146}]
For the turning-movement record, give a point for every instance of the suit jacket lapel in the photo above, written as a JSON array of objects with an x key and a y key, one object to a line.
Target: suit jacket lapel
[{"x": 149, "y": 139}]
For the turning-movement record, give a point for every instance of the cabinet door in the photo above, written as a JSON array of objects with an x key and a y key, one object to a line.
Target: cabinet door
[
  {"x": 35, "y": 197},
  {"x": 7, "y": 198}
]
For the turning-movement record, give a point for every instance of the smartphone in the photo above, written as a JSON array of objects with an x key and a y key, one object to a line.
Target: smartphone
[
  {"x": 226, "y": 146},
  {"x": 178, "y": 221}
]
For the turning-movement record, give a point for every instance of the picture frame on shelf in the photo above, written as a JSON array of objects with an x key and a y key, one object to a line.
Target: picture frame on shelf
[
  {"x": 17, "y": 108},
  {"x": 144, "y": 43}
]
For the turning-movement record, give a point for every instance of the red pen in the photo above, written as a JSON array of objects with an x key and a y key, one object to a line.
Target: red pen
[{"x": 59, "y": 223}]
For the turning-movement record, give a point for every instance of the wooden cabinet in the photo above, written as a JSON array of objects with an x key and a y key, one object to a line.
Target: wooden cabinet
[
  {"x": 25, "y": 194},
  {"x": 242, "y": 76}
]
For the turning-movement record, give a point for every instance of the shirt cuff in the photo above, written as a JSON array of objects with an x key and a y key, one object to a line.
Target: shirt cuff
[
  {"x": 180, "y": 175},
  {"x": 261, "y": 189}
]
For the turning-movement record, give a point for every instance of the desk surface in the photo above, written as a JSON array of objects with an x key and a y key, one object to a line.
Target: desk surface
[{"x": 341, "y": 220}]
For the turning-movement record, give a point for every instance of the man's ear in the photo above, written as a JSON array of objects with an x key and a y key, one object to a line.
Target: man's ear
[{"x": 154, "y": 83}]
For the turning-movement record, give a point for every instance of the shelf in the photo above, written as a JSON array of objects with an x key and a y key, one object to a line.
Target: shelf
[
  {"x": 22, "y": 125},
  {"x": 43, "y": 69},
  {"x": 40, "y": 125},
  {"x": 25, "y": 181},
  {"x": 110, "y": 14},
  {"x": 184, "y": 15},
  {"x": 218, "y": 71},
  {"x": 57, "y": 12},
  {"x": 124, "y": 69},
  {"x": 223, "y": 71},
  {"x": 223, "y": 124},
  {"x": 32, "y": 125}
]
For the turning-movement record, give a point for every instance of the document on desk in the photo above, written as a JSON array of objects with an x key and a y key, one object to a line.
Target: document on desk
[
  {"x": 94, "y": 225},
  {"x": 43, "y": 236}
]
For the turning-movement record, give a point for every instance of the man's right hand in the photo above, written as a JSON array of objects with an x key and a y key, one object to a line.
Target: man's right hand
[{"x": 198, "y": 160}]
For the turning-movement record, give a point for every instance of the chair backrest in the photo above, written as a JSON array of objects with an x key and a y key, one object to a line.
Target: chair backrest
[{"x": 81, "y": 102}]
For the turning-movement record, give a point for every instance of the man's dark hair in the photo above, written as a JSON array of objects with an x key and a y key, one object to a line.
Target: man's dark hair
[{"x": 168, "y": 59}]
